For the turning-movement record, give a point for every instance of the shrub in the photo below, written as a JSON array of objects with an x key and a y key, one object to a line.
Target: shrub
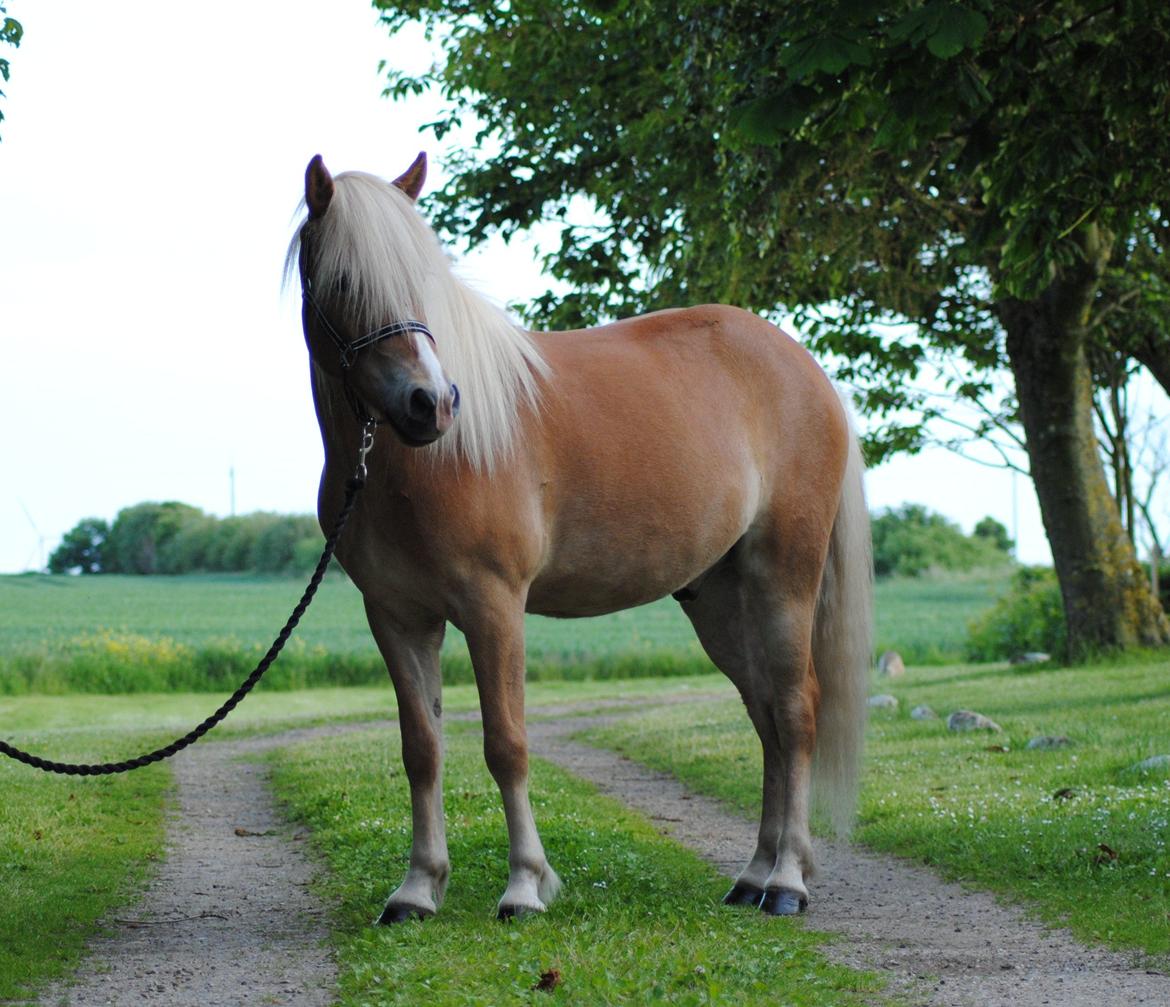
[
  {"x": 1030, "y": 617},
  {"x": 910, "y": 540}
]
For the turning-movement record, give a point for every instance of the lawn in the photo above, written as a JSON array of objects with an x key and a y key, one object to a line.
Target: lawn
[{"x": 639, "y": 919}]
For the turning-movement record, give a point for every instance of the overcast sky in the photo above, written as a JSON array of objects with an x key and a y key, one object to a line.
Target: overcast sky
[{"x": 151, "y": 162}]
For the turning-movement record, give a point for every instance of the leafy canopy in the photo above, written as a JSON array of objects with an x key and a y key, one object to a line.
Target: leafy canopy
[{"x": 888, "y": 171}]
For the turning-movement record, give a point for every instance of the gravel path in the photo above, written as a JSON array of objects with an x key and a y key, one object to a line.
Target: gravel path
[
  {"x": 937, "y": 943},
  {"x": 230, "y": 920}
]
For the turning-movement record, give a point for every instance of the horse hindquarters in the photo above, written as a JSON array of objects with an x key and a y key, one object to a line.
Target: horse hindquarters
[{"x": 788, "y": 638}]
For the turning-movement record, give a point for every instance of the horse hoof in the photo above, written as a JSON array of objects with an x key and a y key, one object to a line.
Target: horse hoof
[
  {"x": 400, "y": 914},
  {"x": 783, "y": 902},
  {"x": 505, "y": 914},
  {"x": 743, "y": 895}
]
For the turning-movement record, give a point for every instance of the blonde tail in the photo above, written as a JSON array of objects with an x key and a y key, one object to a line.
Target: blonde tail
[{"x": 842, "y": 651}]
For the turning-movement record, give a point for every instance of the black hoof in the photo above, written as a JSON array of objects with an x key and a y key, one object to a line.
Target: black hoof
[
  {"x": 400, "y": 914},
  {"x": 505, "y": 914},
  {"x": 783, "y": 902},
  {"x": 743, "y": 895}
]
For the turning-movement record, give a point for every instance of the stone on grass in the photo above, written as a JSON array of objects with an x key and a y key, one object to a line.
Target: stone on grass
[
  {"x": 923, "y": 713},
  {"x": 1030, "y": 657},
  {"x": 1152, "y": 763},
  {"x": 890, "y": 664},
  {"x": 1046, "y": 741},
  {"x": 969, "y": 720},
  {"x": 883, "y": 702}
]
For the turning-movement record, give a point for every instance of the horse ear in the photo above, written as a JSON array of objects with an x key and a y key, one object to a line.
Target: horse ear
[
  {"x": 318, "y": 187},
  {"x": 411, "y": 180}
]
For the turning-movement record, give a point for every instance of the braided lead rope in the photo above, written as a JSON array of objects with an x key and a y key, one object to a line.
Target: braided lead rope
[{"x": 352, "y": 488}]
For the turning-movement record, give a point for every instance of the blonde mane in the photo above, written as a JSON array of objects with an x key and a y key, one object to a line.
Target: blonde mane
[{"x": 394, "y": 268}]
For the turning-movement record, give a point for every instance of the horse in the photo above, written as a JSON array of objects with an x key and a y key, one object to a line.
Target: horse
[{"x": 699, "y": 453}]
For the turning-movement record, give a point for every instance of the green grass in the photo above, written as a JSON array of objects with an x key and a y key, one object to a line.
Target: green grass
[
  {"x": 639, "y": 920},
  {"x": 115, "y": 634},
  {"x": 982, "y": 815},
  {"x": 70, "y": 851},
  {"x": 925, "y": 618},
  {"x": 73, "y": 850}
]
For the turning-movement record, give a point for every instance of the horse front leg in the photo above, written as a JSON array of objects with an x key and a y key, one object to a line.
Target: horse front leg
[
  {"x": 412, "y": 657},
  {"x": 495, "y": 640}
]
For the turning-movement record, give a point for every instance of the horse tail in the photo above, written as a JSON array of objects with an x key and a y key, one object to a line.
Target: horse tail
[{"x": 843, "y": 649}]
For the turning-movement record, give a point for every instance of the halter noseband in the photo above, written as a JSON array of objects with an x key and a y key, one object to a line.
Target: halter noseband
[{"x": 349, "y": 351}]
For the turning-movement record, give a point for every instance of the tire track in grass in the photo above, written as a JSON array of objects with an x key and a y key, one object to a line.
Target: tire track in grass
[
  {"x": 229, "y": 919},
  {"x": 937, "y": 942}
]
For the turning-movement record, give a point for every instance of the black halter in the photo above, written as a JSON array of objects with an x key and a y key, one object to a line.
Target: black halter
[{"x": 349, "y": 351}]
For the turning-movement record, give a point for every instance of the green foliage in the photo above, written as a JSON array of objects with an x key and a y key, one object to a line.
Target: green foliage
[
  {"x": 987, "y": 815},
  {"x": 861, "y": 164},
  {"x": 910, "y": 540},
  {"x": 1029, "y": 617},
  {"x": 80, "y": 550},
  {"x": 175, "y": 538},
  {"x": 11, "y": 32}
]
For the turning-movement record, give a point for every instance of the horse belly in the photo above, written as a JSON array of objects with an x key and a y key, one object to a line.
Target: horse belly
[{"x": 617, "y": 558}]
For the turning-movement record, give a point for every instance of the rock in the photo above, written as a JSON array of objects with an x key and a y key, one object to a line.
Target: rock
[
  {"x": 923, "y": 713},
  {"x": 968, "y": 720},
  {"x": 890, "y": 665},
  {"x": 1030, "y": 657},
  {"x": 1046, "y": 741},
  {"x": 1152, "y": 763},
  {"x": 883, "y": 702}
]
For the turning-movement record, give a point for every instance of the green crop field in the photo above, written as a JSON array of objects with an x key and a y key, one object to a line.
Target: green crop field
[{"x": 112, "y": 633}]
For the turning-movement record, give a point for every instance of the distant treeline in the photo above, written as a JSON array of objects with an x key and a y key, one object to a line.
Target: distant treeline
[
  {"x": 909, "y": 541},
  {"x": 172, "y": 538},
  {"x": 177, "y": 538}
]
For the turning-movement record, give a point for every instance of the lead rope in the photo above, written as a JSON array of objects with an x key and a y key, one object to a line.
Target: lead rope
[{"x": 353, "y": 486}]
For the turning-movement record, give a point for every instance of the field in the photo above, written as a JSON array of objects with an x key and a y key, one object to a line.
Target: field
[
  {"x": 1075, "y": 834},
  {"x": 204, "y": 633}
]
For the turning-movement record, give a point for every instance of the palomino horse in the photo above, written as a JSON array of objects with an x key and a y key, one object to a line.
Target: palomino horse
[{"x": 700, "y": 453}]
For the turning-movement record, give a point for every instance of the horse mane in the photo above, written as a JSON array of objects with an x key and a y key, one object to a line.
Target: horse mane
[{"x": 393, "y": 268}]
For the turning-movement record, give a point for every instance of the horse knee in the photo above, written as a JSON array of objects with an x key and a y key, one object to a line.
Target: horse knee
[{"x": 506, "y": 754}]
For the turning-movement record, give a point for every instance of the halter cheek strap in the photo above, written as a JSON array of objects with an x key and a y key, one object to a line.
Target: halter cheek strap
[{"x": 349, "y": 351}]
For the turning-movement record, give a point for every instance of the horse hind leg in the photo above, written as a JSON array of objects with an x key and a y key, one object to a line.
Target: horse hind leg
[{"x": 760, "y": 637}]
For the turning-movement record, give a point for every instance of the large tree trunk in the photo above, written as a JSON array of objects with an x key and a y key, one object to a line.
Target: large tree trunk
[{"x": 1107, "y": 601}]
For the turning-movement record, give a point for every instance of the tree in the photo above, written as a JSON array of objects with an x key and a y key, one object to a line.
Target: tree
[
  {"x": 81, "y": 550},
  {"x": 910, "y": 540},
  {"x": 969, "y": 169},
  {"x": 140, "y": 536},
  {"x": 11, "y": 33}
]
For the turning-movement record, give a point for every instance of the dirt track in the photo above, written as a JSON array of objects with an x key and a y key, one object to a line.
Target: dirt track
[{"x": 230, "y": 919}]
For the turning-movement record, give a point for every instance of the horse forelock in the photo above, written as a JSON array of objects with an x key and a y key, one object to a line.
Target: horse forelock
[{"x": 381, "y": 262}]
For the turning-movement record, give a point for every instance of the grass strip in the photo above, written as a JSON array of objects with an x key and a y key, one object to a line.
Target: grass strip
[
  {"x": 1073, "y": 832},
  {"x": 639, "y": 920},
  {"x": 71, "y": 851}
]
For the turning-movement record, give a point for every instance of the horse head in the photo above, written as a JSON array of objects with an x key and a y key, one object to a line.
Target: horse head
[{"x": 387, "y": 361}]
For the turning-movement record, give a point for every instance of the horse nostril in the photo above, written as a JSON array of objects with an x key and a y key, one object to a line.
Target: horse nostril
[
  {"x": 454, "y": 399},
  {"x": 421, "y": 405}
]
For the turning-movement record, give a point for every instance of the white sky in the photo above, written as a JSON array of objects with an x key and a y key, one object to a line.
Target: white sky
[{"x": 151, "y": 160}]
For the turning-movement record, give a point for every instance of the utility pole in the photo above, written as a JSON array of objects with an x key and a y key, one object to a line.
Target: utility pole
[{"x": 232, "y": 489}]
